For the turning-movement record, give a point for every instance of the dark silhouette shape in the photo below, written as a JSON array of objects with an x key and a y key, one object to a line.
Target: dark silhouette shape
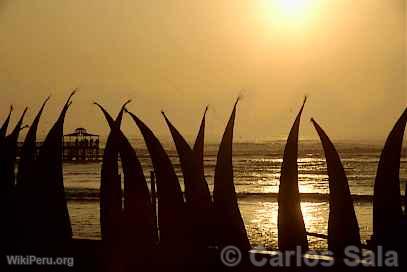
[
  {"x": 231, "y": 228},
  {"x": 3, "y": 129},
  {"x": 28, "y": 153},
  {"x": 172, "y": 221},
  {"x": 291, "y": 227},
  {"x": 7, "y": 186},
  {"x": 405, "y": 201},
  {"x": 26, "y": 183},
  {"x": 137, "y": 224},
  {"x": 387, "y": 210},
  {"x": 111, "y": 214},
  {"x": 343, "y": 228},
  {"x": 52, "y": 226},
  {"x": 200, "y": 143},
  {"x": 110, "y": 187},
  {"x": 198, "y": 197},
  {"x": 8, "y": 157}
]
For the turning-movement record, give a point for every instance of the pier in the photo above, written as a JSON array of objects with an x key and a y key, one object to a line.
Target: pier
[
  {"x": 78, "y": 146},
  {"x": 81, "y": 146}
]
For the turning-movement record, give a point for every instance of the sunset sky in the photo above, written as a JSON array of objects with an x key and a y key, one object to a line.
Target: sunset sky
[{"x": 348, "y": 56}]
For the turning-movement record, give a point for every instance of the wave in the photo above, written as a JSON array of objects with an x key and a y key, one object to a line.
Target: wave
[{"x": 93, "y": 195}]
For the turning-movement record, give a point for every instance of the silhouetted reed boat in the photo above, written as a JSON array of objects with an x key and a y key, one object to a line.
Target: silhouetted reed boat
[
  {"x": 28, "y": 153},
  {"x": 7, "y": 185},
  {"x": 3, "y": 129},
  {"x": 229, "y": 222},
  {"x": 26, "y": 183},
  {"x": 343, "y": 227},
  {"x": 200, "y": 143},
  {"x": 291, "y": 227},
  {"x": 111, "y": 214},
  {"x": 174, "y": 226},
  {"x": 52, "y": 226},
  {"x": 129, "y": 238},
  {"x": 136, "y": 239},
  {"x": 8, "y": 157},
  {"x": 387, "y": 209},
  {"x": 197, "y": 195},
  {"x": 40, "y": 221}
]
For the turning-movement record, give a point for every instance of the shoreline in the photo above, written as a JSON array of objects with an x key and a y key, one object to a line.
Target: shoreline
[{"x": 93, "y": 195}]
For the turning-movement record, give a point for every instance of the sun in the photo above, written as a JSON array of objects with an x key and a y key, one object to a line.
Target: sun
[
  {"x": 291, "y": 13},
  {"x": 293, "y": 8}
]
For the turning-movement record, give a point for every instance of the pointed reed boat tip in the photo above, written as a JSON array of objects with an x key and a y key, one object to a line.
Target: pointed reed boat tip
[
  {"x": 112, "y": 123},
  {"x": 18, "y": 126},
  {"x": 72, "y": 94},
  {"x": 237, "y": 101},
  {"x": 126, "y": 103},
  {"x": 169, "y": 124},
  {"x": 98, "y": 105},
  {"x": 242, "y": 94},
  {"x": 123, "y": 108},
  {"x": 107, "y": 116},
  {"x": 100, "y": 108},
  {"x": 164, "y": 115},
  {"x": 22, "y": 115},
  {"x": 302, "y": 107},
  {"x": 206, "y": 109},
  {"x": 3, "y": 129},
  {"x": 43, "y": 106},
  {"x": 47, "y": 99},
  {"x": 305, "y": 100},
  {"x": 68, "y": 102},
  {"x": 45, "y": 102}
]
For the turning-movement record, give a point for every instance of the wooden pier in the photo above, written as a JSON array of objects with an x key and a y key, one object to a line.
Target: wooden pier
[{"x": 79, "y": 146}]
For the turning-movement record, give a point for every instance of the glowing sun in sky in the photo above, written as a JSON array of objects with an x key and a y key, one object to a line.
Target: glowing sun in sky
[
  {"x": 291, "y": 12},
  {"x": 293, "y": 8}
]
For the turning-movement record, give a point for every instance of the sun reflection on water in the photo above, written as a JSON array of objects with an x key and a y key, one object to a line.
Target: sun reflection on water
[{"x": 261, "y": 222}]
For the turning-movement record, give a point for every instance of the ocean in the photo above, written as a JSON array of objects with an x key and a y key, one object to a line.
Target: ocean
[{"x": 256, "y": 170}]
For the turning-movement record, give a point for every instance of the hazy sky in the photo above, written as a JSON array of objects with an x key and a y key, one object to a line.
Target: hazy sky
[{"x": 348, "y": 56}]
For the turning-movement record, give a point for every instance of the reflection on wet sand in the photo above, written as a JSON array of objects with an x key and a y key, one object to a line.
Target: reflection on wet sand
[{"x": 260, "y": 217}]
